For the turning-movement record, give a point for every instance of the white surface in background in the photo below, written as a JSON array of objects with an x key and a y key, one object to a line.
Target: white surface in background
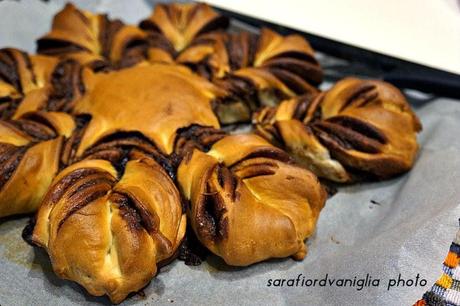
[
  {"x": 421, "y": 31},
  {"x": 33, "y": 20}
]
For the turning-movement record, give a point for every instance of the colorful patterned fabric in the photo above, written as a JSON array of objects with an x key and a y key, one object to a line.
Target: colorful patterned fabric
[{"x": 446, "y": 291}]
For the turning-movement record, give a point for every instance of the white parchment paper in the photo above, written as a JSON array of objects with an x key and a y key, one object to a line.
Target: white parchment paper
[{"x": 401, "y": 226}]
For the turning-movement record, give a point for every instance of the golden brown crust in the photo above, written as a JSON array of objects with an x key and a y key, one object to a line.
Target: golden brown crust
[
  {"x": 93, "y": 40},
  {"x": 361, "y": 126},
  {"x": 30, "y": 149},
  {"x": 122, "y": 228},
  {"x": 156, "y": 100},
  {"x": 248, "y": 203}
]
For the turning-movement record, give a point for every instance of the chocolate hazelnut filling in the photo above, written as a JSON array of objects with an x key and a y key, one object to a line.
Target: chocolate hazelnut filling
[
  {"x": 62, "y": 186},
  {"x": 363, "y": 94},
  {"x": 308, "y": 71},
  {"x": 211, "y": 223},
  {"x": 67, "y": 85},
  {"x": 256, "y": 168},
  {"x": 191, "y": 251},
  {"x": 120, "y": 147},
  {"x": 218, "y": 23},
  {"x": 36, "y": 130},
  {"x": 196, "y": 137},
  {"x": 346, "y": 137},
  {"x": 108, "y": 30},
  {"x": 127, "y": 211},
  {"x": 70, "y": 146},
  {"x": 33, "y": 125},
  {"x": 241, "y": 49},
  {"x": 361, "y": 127},
  {"x": 136, "y": 215},
  {"x": 268, "y": 152},
  {"x": 9, "y": 72},
  {"x": 10, "y": 157},
  {"x": 8, "y": 106},
  {"x": 86, "y": 193},
  {"x": 55, "y": 47}
]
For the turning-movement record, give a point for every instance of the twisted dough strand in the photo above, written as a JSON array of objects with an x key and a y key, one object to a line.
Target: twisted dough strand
[
  {"x": 93, "y": 40},
  {"x": 248, "y": 202},
  {"x": 358, "y": 127},
  {"x": 30, "y": 150}
]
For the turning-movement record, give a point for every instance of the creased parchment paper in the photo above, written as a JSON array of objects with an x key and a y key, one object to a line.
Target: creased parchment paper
[{"x": 401, "y": 226}]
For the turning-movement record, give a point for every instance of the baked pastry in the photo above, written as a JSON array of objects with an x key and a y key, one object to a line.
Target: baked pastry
[
  {"x": 93, "y": 40},
  {"x": 30, "y": 150},
  {"x": 248, "y": 201},
  {"x": 128, "y": 212},
  {"x": 254, "y": 69},
  {"x": 357, "y": 128},
  {"x": 116, "y": 131}
]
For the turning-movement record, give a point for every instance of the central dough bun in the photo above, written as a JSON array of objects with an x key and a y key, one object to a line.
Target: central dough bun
[{"x": 155, "y": 100}]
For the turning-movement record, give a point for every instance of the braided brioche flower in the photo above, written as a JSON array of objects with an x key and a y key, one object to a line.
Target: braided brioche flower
[{"x": 113, "y": 136}]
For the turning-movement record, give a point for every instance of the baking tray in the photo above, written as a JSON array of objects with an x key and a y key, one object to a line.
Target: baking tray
[{"x": 403, "y": 226}]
